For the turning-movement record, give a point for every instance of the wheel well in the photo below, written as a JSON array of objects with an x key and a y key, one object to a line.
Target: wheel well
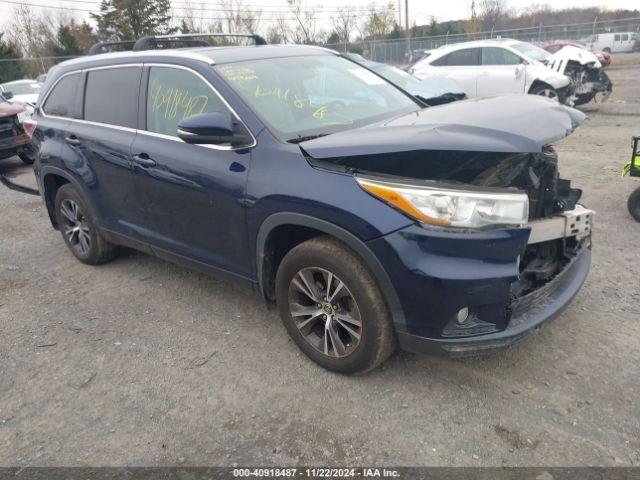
[
  {"x": 538, "y": 83},
  {"x": 279, "y": 242},
  {"x": 52, "y": 184}
]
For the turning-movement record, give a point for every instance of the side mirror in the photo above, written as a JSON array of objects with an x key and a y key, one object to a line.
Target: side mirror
[
  {"x": 214, "y": 127},
  {"x": 7, "y": 95}
]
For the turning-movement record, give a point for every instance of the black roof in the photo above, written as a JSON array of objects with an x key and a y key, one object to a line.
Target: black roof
[{"x": 212, "y": 55}]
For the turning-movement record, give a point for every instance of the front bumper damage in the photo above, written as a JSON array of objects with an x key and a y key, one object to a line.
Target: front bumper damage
[
  {"x": 529, "y": 314},
  {"x": 529, "y": 308}
]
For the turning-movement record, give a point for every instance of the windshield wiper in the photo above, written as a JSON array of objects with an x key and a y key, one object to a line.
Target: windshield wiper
[{"x": 304, "y": 138}]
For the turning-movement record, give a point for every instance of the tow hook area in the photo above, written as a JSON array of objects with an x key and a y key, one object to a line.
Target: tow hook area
[{"x": 17, "y": 187}]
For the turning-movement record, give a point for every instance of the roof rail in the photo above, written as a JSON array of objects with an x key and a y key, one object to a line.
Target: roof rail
[
  {"x": 181, "y": 40},
  {"x": 105, "y": 47}
]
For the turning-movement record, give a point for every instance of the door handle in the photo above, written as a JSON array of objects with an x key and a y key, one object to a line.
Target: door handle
[
  {"x": 144, "y": 160},
  {"x": 73, "y": 140}
]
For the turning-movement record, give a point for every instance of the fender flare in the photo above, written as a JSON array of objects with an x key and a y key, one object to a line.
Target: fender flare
[
  {"x": 52, "y": 170},
  {"x": 290, "y": 218}
]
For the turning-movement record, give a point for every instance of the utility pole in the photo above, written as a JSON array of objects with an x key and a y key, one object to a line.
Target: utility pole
[{"x": 406, "y": 18}]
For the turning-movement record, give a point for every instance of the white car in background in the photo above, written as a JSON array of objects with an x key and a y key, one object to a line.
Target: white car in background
[
  {"x": 24, "y": 91},
  {"x": 620, "y": 42},
  {"x": 494, "y": 67}
]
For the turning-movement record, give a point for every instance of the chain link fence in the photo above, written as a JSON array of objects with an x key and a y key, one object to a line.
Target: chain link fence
[
  {"x": 401, "y": 51},
  {"x": 398, "y": 51}
]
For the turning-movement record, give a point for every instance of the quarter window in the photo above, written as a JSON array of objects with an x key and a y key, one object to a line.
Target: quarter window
[
  {"x": 111, "y": 96},
  {"x": 499, "y": 56},
  {"x": 61, "y": 101},
  {"x": 175, "y": 94}
]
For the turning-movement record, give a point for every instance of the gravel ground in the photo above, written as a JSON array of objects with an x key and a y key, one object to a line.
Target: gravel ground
[{"x": 140, "y": 362}]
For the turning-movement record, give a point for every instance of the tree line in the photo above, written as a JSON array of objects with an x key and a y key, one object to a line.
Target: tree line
[{"x": 40, "y": 36}]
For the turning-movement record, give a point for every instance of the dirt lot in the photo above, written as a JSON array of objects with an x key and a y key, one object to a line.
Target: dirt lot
[{"x": 140, "y": 362}]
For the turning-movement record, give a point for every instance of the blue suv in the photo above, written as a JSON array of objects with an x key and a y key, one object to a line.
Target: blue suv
[{"x": 368, "y": 219}]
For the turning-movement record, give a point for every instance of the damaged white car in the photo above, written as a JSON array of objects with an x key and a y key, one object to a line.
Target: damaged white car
[{"x": 499, "y": 66}]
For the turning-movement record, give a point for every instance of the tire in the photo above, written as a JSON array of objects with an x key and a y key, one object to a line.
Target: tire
[
  {"x": 633, "y": 204},
  {"x": 545, "y": 90},
  {"x": 28, "y": 155},
  {"x": 357, "y": 333},
  {"x": 79, "y": 229},
  {"x": 607, "y": 49},
  {"x": 584, "y": 98}
]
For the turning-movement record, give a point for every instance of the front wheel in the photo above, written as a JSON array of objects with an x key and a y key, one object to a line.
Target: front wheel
[
  {"x": 332, "y": 307},
  {"x": 546, "y": 91},
  {"x": 633, "y": 204}
]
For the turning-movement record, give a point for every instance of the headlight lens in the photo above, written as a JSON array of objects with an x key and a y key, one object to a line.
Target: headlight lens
[{"x": 451, "y": 207}]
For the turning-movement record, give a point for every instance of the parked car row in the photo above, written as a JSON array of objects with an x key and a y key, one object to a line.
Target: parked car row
[
  {"x": 368, "y": 219},
  {"x": 14, "y": 140},
  {"x": 499, "y": 66}
]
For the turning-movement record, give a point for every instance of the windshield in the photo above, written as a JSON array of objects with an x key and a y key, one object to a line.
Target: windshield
[
  {"x": 22, "y": 88},
  {"x": 301, "y": 97},
  {"x": 531, "y": 51}
]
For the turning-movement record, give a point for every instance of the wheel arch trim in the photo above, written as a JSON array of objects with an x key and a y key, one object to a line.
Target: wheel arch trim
[
  {"x": 290, "y": 218},
  {"x": 52, "y": 170}
]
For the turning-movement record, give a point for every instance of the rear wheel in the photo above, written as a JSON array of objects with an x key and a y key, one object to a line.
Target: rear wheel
[
  {"x": 79, "y": 229},
  {"x": 545, "y": 91},
  {"x": 633, "y": 204},
  {"x": 332, "y": 307}
]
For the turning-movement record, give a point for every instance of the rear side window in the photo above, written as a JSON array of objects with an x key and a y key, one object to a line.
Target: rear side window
[
  {"x": 111, "y": 96},
  {"x": 616, "y": 38},
  {"x": 61, "y": 102},
  {"x": 175, "y": 94},
  {"x": 499, "y": 56},
  {"x": 625, "y": 37},
  {"x": 460, "y": 58}
]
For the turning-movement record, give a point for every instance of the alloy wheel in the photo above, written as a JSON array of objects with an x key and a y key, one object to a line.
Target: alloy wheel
[
  {"x": 325, "y": 312},
  {"x": 75, "y": 227}
]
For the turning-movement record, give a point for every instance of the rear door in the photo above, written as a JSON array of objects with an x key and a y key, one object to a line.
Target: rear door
[
  {"x": 461, "y": 65},
  {"x": 502, "y": 72},
  {"x": 62, "y": 103},
  {"x": 101, "y": 143},
  {"x": 191, "y": 196}
]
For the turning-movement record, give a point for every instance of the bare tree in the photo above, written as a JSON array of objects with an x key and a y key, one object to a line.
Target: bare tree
[
  {"x": 344, "y": 23},
  {"x": 493, "y": 13},
  {"x": 306, "y": 30},
  {"x": 378, "y": 22},
  {"x": 239, "y": 18}
]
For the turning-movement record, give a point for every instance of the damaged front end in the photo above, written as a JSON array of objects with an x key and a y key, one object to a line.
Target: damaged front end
[
  {"x": 588, "y": 78},
  {"x": 483, "y": 265}
]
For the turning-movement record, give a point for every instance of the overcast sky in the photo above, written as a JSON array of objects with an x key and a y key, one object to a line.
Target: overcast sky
[{"x": 420, "y": 11}]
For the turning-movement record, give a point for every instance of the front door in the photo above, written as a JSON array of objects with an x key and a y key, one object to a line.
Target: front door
[
  {"x": 191, "y": 197},
  {"x": 502, "y": 72}
]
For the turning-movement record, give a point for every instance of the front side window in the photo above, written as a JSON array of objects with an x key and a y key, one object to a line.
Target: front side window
[
  {"x": 62, "y": 99},
  {"x": 174, "y": 94},
  {"x": 625, "y": 37},
  {"x": 499, "y": 56},
  {"x": 111, "y": 96},
  {"x": 306, "y": 96}
]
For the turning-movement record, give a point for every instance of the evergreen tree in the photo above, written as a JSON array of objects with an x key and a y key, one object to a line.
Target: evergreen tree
[
  {"x": 10, "y": 70},
  {"x": 132, "y": 19}
]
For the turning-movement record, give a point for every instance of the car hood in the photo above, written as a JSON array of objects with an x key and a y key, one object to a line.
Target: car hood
[
  {"x": 558, "y": 61},
  {"x": 434, "y": 87},
  {"x": 9, "y": 109},
  {"x": 515, "y": 123}
]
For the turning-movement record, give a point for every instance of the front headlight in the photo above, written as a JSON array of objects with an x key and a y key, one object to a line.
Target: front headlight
[{"x": 452, "y": 207}]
